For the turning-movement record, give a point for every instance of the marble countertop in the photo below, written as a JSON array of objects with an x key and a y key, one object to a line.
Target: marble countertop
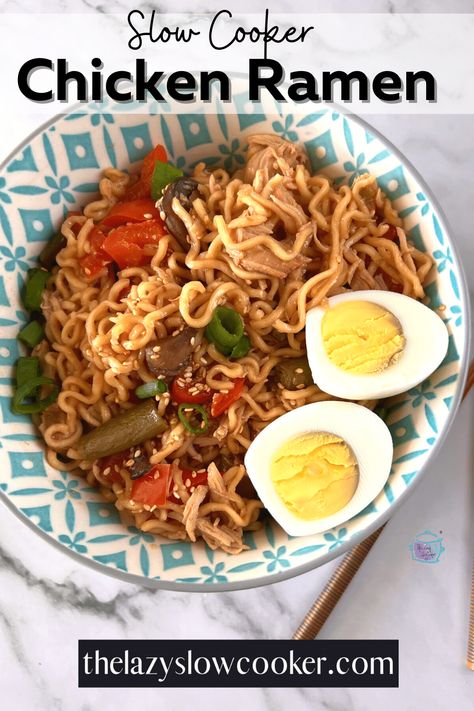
[{"x": 48, "y": 602}]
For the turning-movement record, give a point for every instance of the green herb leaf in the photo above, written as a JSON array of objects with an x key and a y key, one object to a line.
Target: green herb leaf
[{"x": 163, "y": 174}]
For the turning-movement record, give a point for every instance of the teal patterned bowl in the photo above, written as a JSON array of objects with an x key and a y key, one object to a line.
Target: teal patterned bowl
[{"x": 56, "y": 170}]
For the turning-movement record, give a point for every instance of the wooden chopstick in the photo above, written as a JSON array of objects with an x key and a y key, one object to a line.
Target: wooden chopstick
[
  {"x": 334, "y": 588},
  {"x": 345, "y": 571},
  {"x": 470, "y": 639}
]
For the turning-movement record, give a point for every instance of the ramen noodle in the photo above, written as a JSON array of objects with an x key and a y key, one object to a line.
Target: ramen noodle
[{"x": 269, "y": 241}]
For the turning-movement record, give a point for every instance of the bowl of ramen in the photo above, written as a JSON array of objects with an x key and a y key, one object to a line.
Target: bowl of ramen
[{"x": 231, "y": 342}]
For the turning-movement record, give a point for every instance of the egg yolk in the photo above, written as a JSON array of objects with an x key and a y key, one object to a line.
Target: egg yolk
[
  {"x": 361, "y": 337},
  {"x": 315, "y": 474}
]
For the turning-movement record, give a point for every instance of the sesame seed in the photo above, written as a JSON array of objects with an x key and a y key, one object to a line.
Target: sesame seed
[
  {"x": 192, "y": 489},
  {"x": 129, "y": 463},
  {"x": 299, "y": 370},
  {"x": 300, "y": 386},
  {"x": 147, "y": 216},
  {"x": 188, "y": 483},
  {"x": 194, "y": 475},
  {"x": 106, "y": 471},
  {"x": 137, "y": 453}
]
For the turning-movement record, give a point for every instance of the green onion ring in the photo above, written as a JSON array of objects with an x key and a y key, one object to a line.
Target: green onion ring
[
  {"x": 241, "y": 348},
  {"x": 150, "y": 389},
  {"x": 30, "y": 408},
  {"x": 31, "y": 334},
  {"x": 225, "y": 329},
  {"x": 50, "y": 251},
  {"x": 186, "y": 422},
  {"x": 35, "y": 285},
  {"x": 27, "y": 368}
]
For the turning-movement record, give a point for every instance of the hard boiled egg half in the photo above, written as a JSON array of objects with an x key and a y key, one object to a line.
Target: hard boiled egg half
[
  {"x": 317, "y": 466},
  {"x": 373, "y": 344}
]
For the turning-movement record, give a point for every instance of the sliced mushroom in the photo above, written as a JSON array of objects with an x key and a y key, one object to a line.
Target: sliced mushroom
[
  {"x": 246, "y": 489},
  {"x": 185, "y": 190},
  {"x": 141, "y": 466},
  {"x": 169, "y": 356}
]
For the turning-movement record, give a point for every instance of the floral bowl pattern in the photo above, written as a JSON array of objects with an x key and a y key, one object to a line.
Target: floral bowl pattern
[{"x": 56, "y": 170}]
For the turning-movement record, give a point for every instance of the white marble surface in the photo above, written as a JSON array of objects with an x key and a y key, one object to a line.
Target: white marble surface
[{"x": 47, "y": 602}]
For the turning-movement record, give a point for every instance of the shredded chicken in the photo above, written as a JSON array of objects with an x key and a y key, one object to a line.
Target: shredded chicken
[
  {"x": 216, "y": 486},
  {"x": 287, "y": 219},
  {"x": 292, "y": 214},
  {"x": 271, "y": 154},
  {"x": 214, "y": 479},
  {"x": 48, "y": 303},
  {"x": 263, "y": 260},
  {"x": 53, "y": 415},
  {"x": 191, "y": 510},
  {"x": 230, "y": 540}
]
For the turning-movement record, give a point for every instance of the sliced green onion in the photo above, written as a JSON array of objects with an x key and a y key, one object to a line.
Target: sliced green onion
[
  {"x": 27, "y": 389},
  {"x": 163, "y": 174},
  {"x": 242, "y": 348},
  {"x": 154, "y": 387},
  {"x": 187, "y": 408},
  {"x": 35, "y": 284},
  {"x": 225, "y": 329},
  {"x": 31, "y": 334},
  {"x": 48, "y": 254},
  {"x": 27, "y": 368}
]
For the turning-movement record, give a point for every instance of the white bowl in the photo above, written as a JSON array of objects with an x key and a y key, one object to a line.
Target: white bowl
[{"x": 56, "y": 170}]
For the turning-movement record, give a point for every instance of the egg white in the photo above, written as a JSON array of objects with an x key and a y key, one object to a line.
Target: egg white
[
  {"x": 365, "y": 433},
  {"x": 426, "y": 344}
]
